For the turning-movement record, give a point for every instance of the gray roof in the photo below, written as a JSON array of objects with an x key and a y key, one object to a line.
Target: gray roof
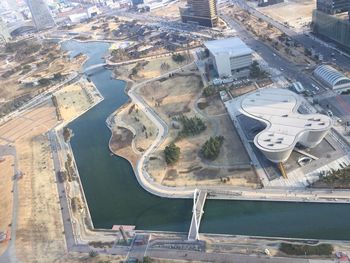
[
  {"x": 330, "y": 76},
  {"x": 234, "y": 46}
]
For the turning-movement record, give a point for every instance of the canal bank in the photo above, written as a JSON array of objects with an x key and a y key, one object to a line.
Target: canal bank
[{"x": 114, "y": 196}]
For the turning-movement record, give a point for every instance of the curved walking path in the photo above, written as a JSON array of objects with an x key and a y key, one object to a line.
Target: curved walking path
[{"x": 217, "y": 192}]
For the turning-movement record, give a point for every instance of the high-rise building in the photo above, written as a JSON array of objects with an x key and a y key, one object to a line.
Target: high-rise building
[
  {"x": 202, "y": 12},
  {"x": 332, "y": 27},
  {"x": 333, "y": 6},
  {"x": 330, "y": 21},
  {"x": 41, "y": 14}
]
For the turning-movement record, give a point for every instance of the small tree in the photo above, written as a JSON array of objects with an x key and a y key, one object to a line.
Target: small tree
[{"x": 171, "y": 153}]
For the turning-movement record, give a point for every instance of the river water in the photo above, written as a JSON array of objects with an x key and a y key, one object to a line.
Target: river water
[{"x": 115, "y": 197}]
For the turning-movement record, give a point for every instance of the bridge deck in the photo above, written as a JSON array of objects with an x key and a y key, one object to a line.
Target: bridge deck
[{"x": 198, "y": 204}]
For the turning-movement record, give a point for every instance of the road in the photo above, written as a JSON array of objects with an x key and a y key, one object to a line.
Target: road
[
  {"x": 308, "y": 41},
  {"x": 274, "y": 60}
]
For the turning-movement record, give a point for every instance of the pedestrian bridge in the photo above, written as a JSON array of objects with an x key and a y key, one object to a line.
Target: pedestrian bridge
[
  {"x": 199, "y": 197},
  {"x": 92, "y": 68}
]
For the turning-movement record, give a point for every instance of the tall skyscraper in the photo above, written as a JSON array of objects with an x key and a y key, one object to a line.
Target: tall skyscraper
[
  {"x": 41, "y": 14},
  {"x": 331, "y": 21},
  {"x": 202, "y": 12}
]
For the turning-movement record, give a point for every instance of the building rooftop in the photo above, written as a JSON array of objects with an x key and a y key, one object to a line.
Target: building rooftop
[
  {"x": 234, "y": 46},
  {"x": 277, "y": 108},
  {"x": 331, "y": 76}
]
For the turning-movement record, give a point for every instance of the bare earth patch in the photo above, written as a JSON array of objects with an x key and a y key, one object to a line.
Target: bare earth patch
[{"x": 6, "y": 183}]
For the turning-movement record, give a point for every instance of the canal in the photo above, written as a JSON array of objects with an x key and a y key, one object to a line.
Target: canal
[{"x": 115, "y": 197}]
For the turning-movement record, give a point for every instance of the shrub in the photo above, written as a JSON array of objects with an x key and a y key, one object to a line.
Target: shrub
[
  {"x": 172, "y": 153},
  {"x": 293, "y": 249},
  {"x": 211, "y": 148}
]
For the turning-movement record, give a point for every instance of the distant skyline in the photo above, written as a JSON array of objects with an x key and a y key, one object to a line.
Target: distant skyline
[{"x": 41, "y": 14}]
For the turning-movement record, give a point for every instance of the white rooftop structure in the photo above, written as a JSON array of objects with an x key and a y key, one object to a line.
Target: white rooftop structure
[
  {"x": 231, "y": 57},
  {"x": 332, "y": 77},
  {"x": 285, "y": 127},
  {"x": 233, "y": 46}
]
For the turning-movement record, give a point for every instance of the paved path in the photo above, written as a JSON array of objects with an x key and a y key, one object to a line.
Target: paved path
[{"x": 9, "y": 255}]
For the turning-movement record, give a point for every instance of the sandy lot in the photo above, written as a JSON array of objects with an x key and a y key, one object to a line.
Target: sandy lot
[
  {"x": 40, "y": 230},
  {"x": 171, "y": 11},
  {"x": 297, "y": 13},
  {"x": 6, "y": 183},
  {"x": 40, "y": 235}
]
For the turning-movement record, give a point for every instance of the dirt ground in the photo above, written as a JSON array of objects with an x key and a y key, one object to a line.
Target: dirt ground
[
  {"x": 121, "y": 142},
  {"x": 76, "y": 98},
  {"x": 297, "y": 13},
  {"x": 6, "y": 184},
  {"x": 40, "y": 234},
  {"x": 143, "y": 130},
  {"x": 176, "y": 96},
  {"x": 236, "y": 92},
  {"x": 269, "y": 35},
  {"x": 40, "y": 230},
  {"x": 171, "y": 11},
  {"x": 154, "y": 69}
]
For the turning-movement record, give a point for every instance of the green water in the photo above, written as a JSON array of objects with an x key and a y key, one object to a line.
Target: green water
[{"x": 114, "y": 196}]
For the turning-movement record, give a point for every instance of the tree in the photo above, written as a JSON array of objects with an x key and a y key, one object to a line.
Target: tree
[
  {"x": 178, "y": 58},
  {"x": 171, "y": 153},
  {"x": 256, "y": 71},
  {"x": 211, "y": 148},
  {"x": 208, "y": 91},
  {"x": 191, "y": 126},
  {"x": 93, "y": 253}
]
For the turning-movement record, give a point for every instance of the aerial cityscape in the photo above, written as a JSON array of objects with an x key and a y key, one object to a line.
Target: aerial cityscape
[{"x": 174, "y": 131}]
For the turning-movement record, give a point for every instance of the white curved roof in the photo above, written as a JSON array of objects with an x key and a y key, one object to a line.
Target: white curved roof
[
  {"x": 277, "y": 108},
  {"x": 330, "y": 76}
]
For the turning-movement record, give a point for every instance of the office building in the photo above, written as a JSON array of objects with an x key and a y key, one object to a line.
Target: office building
[
  {"x": 202, "y": 12},
  {"x": 230, "y": 57},
  {"x": 332, "y": 27},
  {"x": 41, "y": 14},
  {"x": 333, "y": 6}
]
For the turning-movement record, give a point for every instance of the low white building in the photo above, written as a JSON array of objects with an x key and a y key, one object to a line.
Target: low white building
[
  {"x": 231, "y": 57},
  {"x": 285, "y": 127},
  {"x": 332, "y": 77}
]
